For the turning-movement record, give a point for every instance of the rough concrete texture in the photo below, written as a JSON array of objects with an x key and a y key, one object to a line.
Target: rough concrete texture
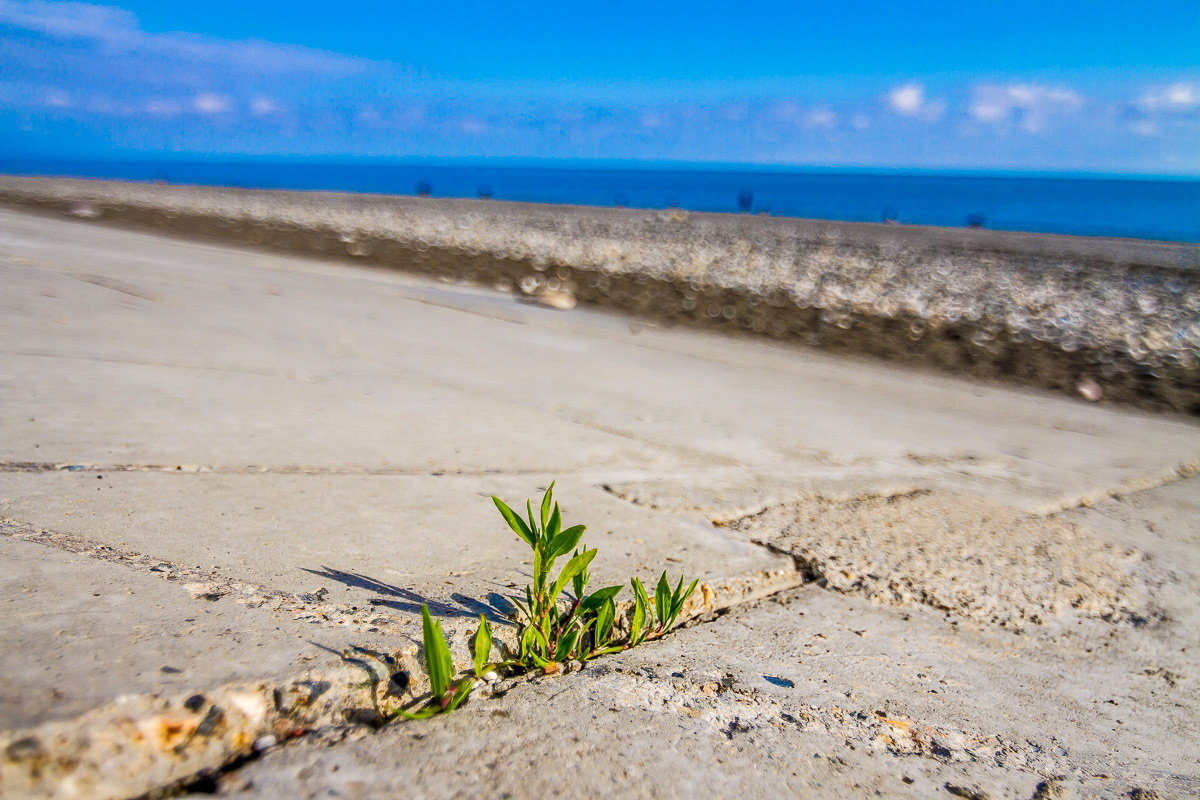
[
  {"x": 819, "y": 694},
  {"x": 958, "y": 554},
  {"x": 78, "y": 634},
  {"x": 808, "y": 695},
  {"x": 1109, "y": 318},
  {"x": 240, "y": 465}
]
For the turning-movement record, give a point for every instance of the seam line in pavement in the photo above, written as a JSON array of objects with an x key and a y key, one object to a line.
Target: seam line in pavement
[
  {"x": 1140, "y": 483},
  {"x": 96, "y": 742},
  {"x": 256, "y": 469}
]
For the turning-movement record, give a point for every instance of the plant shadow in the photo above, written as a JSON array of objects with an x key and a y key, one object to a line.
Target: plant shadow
[{"x": 497, "y": 608}]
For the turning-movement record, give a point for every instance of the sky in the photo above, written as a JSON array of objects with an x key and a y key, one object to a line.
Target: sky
[{"x": 1102, "y": 86}]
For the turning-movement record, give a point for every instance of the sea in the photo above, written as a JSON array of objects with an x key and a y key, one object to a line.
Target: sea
[{"x": 1132, "y": 207}]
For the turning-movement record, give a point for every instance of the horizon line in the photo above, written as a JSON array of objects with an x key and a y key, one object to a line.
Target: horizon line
[{"x": 593, "y": 164}]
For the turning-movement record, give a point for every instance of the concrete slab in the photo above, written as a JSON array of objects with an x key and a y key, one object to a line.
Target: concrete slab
[
  {"x": 284, "y": 425},
  {"x": 819, "y": 695},
  {"x": 246, "y": 358},
  {"x": 424, "y": 537},
  {"x": 79, "y": 633}
]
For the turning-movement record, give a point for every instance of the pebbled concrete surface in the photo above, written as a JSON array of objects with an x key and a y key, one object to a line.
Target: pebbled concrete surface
[
  {"x": 820, "y": 694},
  {"x": 313, "y": 444}
]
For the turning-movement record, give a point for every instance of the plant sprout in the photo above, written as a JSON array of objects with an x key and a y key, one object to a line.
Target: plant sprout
[
  {"x": 446, "y": 693},
  {"x": 555, "y": 625}
]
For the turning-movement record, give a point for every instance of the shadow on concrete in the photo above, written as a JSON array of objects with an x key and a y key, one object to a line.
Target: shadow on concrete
[{"x": 497, "y": 608}]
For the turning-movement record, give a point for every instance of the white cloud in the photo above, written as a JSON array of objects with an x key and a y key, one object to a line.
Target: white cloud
[
  {"x": 909, "y": 100},
  {"x": 820, "y": 118},
  {"x": 117, "y": 33},
  {"x": 262, "y": 106},
  {"x": 1028, "y": 106},
  {"x": 652, "y": 120},
  {"x": 57, "y": 99},
  {"x": 1144, "y": 127},
  {"x": 802, "y": 116},
  {"x": 67, "y": 19},
  {"x": 471, "y": 125},
  {"x": 1176, "y": 97},
  {"x": 162, "y": 107},
  {"x": 210, "y": 103}
]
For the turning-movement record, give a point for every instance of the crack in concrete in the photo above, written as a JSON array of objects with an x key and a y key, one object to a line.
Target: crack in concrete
[
  {"x": 283, "y": 469},
  {"x": 866, "y": 544},
  {"x": 208, "y": 585},
  {"x": 336, "y": 709},
  {"x": 88, "y": 748}
]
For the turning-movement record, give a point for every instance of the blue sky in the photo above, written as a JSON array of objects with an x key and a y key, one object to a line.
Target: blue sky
[{"x": 1097, "y": 86}]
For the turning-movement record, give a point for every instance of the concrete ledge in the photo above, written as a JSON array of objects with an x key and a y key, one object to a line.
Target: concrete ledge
[{"x": 1111, "y": 319}]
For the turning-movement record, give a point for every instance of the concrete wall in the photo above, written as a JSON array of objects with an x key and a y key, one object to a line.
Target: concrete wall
[{"x": 1119, "y": 318}]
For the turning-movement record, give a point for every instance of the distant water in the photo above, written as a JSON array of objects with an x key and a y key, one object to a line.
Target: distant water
[{"x": 1167, "y": 209}]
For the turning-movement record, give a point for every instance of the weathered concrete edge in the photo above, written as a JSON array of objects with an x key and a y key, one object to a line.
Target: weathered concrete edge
[
  {"x": 980, "y": 349},
  {"x": 145, "y": 745}
]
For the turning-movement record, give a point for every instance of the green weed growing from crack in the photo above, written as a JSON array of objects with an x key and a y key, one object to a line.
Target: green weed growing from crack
[
  {"x": 446, "y": 693},
  {"x": 555, "y": 625}
]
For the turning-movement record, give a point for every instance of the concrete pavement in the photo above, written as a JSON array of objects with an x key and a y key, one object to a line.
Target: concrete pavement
[{"x": 235, "y": 464}]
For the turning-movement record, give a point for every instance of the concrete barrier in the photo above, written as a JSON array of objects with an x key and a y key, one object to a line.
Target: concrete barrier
[{"x": 1108, "y": 319}]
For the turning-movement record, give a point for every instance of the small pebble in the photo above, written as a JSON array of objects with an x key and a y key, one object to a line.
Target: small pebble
[
  {"x": 1089, "y": 390},
  {"x": 265, "y": 743}
]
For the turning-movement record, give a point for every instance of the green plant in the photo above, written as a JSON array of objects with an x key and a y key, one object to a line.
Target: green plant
[
  {"x": 555, "y": 625},
  {"x": 446, "y": 693},
  {"x": 652, "y": 620},
  {"x": 482, "y": 648}
]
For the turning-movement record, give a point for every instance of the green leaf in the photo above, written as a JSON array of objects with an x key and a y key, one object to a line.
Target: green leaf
[
  {"x": 533, "y": 526},
  {"x": 483, "y": 646},
  {"x": 555, "y": 525},
  {"x": 662, "y": 599},
  {"x": 638, "y": 621},
  {"x": 521, "y": 607},
  {"x": 639, "y": 591},
  {"x": 604, "y": 621},
  {"x": 539, "y": 574},
  {"x": 565, "y": 541},
  {"x": 424, "y": 713},
  {"x": 516, "y": 523},
  {"x": 673, "y": 604},
  {"x": 547, "y": 500},
  {"x": 597, "y": 598},
  {"x": 641, "y": 612},
  {"x": 579, "y": 584},
  {"x": 528, "y": 642},
  {"x": 566, "y": 644},
  {"x": 533, "y": 648},
  {"x": 681, "y": 598},
  {"x": 605, "y": 651},
  {"x": 573, "y": 568},
  {"x": 540, "y": 643},
  {"x": 462, "y": 690},
  {"x": 438, "y": 662}
]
